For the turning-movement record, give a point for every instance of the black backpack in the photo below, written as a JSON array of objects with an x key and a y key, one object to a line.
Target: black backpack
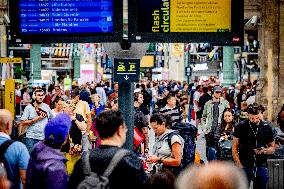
[
  {"x": 188, "y": 133},
  {"x": 93, "y": 180},
  {"x": 3, "y": 148}
]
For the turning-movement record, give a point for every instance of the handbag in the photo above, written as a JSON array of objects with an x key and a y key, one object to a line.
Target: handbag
[{"x": 138, "y": 138}]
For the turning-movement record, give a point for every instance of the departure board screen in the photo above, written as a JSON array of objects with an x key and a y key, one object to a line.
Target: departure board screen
[
  {"x": 67, "y": 18},
  {"x": 186, "y": 20}
]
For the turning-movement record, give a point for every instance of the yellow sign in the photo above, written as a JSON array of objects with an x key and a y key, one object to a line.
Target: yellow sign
[
  {"x": 121, "y": 67},
  {"x": 147, "y": 61},
  {"x": 200, "y": 16},
  {"x": 10, "y": 96},
  {"x": 7, "y": 60},
  {"x": 132, "y": 67}
]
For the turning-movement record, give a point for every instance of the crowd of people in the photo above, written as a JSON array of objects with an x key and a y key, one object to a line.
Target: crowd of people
[{"x": 65, "y": 139}]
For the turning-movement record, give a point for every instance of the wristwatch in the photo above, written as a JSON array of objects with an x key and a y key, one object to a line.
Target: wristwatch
[
  {"x": 265, "y": 150},
  {"x": 146, "y": 150},
  {"x": 160, "y": 161}
]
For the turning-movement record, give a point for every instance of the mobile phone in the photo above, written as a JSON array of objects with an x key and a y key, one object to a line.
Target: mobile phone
[{"x": 142, "y": 158}]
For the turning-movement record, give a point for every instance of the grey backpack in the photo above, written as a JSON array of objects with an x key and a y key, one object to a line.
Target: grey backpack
[{"x": 95, "y": 181}]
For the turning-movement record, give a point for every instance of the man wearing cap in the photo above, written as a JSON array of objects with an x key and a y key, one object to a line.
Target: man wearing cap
[
  {"x": 211, "y": 118},
  {"x": 46, "y": 167}
]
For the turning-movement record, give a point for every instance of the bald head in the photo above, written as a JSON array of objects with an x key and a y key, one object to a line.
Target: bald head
[
  {"x": 215, "y": 175},
  {"x": 5, "y": 121}
]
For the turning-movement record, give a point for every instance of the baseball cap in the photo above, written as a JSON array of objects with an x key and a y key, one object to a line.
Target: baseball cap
[
  {"x": 217, "y": 89},
  {"x": 56, "y": 130}
]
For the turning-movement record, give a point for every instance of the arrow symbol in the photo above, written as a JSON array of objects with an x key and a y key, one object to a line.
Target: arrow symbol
[{"x": 126, "y": 77}]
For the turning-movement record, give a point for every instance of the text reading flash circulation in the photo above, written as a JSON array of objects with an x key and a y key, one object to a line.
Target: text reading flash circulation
[{"x": 66, "y": 16}]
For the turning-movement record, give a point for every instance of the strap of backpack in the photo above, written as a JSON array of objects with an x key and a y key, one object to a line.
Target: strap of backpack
[
  {"x": 115, "y": 160},
  {"x": 169, "y": 138},
  {"x": 3, "y": 148},
  {"x": 86, "y": 162}
]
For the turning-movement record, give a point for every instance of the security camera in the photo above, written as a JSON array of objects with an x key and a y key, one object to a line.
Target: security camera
[
  {"x": 6, "y": 19},
  {"x": 252, "y": 21}
]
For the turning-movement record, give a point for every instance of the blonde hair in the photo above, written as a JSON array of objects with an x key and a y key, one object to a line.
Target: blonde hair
[{"x": 217, "y": 174}]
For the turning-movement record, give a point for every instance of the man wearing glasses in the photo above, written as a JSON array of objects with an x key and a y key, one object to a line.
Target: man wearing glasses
[
  {"x": 35, "y": 117},
  {"x": 253, "y": 140}
]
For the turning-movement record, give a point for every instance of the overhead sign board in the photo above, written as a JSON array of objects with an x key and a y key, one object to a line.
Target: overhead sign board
[
  {"x": 7, "y": 60},
  {"x": 66, "y": 20},
  {"x": 126, "y": 70},
  {"x": 216, "y": 21}
]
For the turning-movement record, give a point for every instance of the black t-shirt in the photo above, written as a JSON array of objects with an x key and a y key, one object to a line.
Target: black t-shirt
[
  {"x": 251, "y": 138},
  {"x": 202, "y": 101},
  {"x": 143, "y": 109},
  {"x": 128, "y": 174}
]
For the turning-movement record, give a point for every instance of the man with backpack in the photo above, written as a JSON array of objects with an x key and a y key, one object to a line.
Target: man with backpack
[
  {"x": 46, "y": 167},
  {"x": 109, "y": 166},
  {"x": 13, "y": 154}
]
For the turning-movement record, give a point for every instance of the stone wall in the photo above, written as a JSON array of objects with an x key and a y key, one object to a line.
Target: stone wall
[{"x": 270, "y": 92}]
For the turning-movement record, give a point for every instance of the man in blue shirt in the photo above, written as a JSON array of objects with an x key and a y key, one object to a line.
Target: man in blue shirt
[{"x": 17, "y": 155}]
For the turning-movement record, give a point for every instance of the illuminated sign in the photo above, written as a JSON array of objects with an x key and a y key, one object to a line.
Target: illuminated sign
[
  {"x": 217, "y": 21},
  {"x": 66, "y": 18},
  {"x": 147, "y": 61},
  {"x": 7, "y": 60},
  {"x": 126, "y": 70}
]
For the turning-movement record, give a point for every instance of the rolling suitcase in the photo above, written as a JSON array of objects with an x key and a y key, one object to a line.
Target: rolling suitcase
[{"x": 275, "y": 172}]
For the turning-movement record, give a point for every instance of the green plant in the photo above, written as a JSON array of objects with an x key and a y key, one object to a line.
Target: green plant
[{"x": 18, "y": 72}]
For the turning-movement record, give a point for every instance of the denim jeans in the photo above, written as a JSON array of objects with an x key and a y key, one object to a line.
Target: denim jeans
[
  {"x": 260, "y": 179},
  {"x": 30, "y": 142},
  {"x": 189, "y": 112},
  {"x": 211, "y": 154}
]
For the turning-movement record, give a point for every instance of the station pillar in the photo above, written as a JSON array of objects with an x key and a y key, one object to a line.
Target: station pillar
[
  {"x": 228, "y": 66},
  {"x": 35, "y": 61}
]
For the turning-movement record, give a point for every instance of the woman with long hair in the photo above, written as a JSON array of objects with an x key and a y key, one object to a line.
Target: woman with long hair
[
  {"x": 227, "y": 122},
  {"x": 226, "y": 135}
]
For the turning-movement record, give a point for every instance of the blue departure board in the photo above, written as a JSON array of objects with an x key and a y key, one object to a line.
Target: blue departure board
[
  {"x": 66, "y": 16},
  {"x": 72, "y": 21}
]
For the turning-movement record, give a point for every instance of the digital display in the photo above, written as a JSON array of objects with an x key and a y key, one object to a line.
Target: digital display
[
  {"x": 200, "y": 16},
  {"x": 53, "y": 21},
  {"x": 213, "y": 21},
  {"x": 66, "y": 16},
  {"x": 185, "y": 16}
]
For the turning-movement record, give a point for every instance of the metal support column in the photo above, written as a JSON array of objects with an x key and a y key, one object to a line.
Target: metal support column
[
  {"x": 76, "y": 61},
  {"x": 228, "y": 66},
  {"x": 35, "y": 61}
]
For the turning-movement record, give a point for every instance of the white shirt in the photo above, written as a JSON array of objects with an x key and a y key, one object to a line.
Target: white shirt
[
  {"x": 196, "y": 97},
  {"x": 161, "y": 147}
]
